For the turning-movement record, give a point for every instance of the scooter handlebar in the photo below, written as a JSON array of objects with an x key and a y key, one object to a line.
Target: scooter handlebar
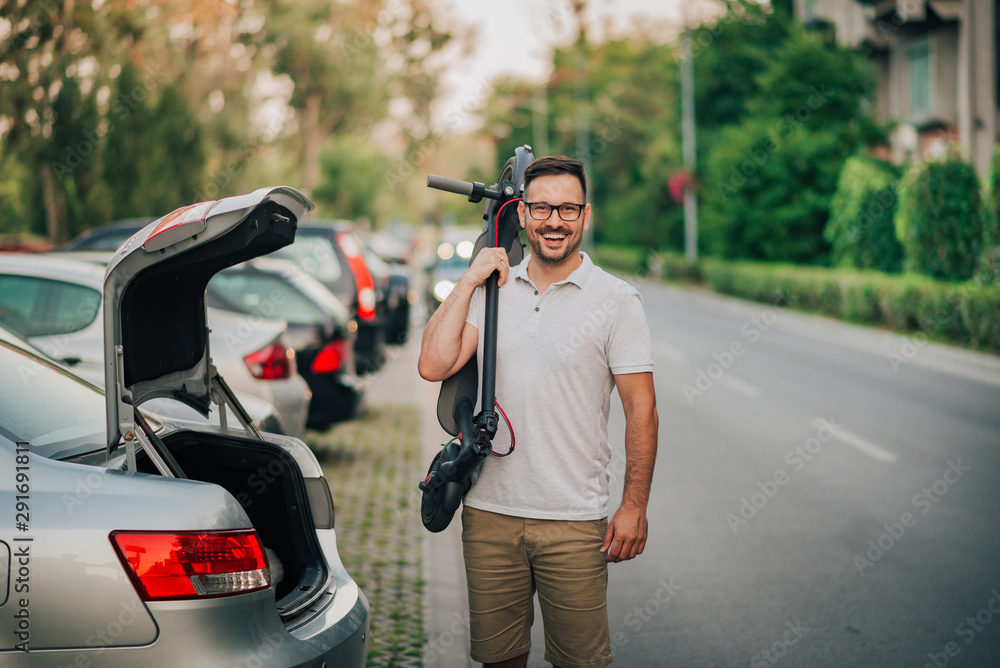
[
  {"x": 450, "y": 185},
  {"x": 474, "y": 191}
]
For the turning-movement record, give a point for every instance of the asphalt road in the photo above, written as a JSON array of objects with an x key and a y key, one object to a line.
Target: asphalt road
[
  {"x": 825, "y": 495},
  {"x": 827, "y": 500}
]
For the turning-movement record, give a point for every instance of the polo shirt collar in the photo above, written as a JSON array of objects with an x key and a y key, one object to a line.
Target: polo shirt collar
[{"x": 578, "y": 278}]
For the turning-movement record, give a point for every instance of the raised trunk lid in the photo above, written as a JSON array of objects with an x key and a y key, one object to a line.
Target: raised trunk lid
[{"x": 155, "y": 323}]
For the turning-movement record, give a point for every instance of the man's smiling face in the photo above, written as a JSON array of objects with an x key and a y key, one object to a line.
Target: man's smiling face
[{"x": 553, "y": 240}]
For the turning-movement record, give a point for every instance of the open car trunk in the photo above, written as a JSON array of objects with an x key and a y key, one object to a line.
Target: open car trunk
[{"x": 284, "y": 507}]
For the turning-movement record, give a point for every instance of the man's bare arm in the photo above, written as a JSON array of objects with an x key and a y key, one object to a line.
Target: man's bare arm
[
  {"x": 628, "y": 527},
  {"x": 448, "y": 341}
]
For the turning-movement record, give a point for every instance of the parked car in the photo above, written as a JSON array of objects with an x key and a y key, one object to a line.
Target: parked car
[
  {"x": 166, "y": 544},
  {"x": 54, "y": 301},
  {"x": 451, "y": 259},
  {"x": 311, "y": 255},
  {"x": 108, "y": 237},
  {"x": 320, "y": 329},
  {"x": 392, "y": 294}
]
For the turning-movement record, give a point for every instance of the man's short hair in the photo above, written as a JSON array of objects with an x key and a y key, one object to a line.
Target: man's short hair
[{"x": 556, "y": 164}]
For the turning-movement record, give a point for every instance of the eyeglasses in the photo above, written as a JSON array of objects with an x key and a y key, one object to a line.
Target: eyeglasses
[{"x": 568, "y": 211}]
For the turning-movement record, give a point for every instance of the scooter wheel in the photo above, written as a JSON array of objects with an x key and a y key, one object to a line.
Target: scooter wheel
[{"x": 437, "y": 509}]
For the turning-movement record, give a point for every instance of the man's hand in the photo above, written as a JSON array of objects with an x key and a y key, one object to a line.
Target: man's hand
[
  {"x": 488, "y": 261},
  {"x": 448, "y": 341},
  {"x": 626, "y": 537}
]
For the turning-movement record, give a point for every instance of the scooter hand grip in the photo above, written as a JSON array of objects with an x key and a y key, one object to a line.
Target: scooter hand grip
[{"x": 449, "y": 185}]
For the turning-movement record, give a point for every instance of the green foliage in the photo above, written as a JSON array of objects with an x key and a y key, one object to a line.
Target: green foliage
[
  {"x": 729, "y": 54},
  {"x": 153, "y": 152},
  {"x": 940, "y": 219},
  {"x": 633, "y": 144},
  {"x": 627, "y": 259},
  {"x": 963, "y": 313},
  {"x": 351, "y": 178},
  {"x": 767, "y": 190},
  {"x": 988, "y": 272},
  {"x": 769, "y": 176},
  {"x": 860, "y": 229},
  {"x": 13, "y": 197}
]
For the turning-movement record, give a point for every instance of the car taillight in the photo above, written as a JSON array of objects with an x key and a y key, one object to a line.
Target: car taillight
[
  {"x": 362, "y": 276},
  {"x": 330, "y": 357},
  {"x": 179, "y": 224},
  {"x": 191, "y": 565},
  {"x": 272, "y": 362},
  {"x": 366, "y": 303}
]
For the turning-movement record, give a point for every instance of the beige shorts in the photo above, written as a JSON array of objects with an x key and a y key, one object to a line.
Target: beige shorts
[{"x": 508, "y": 558}]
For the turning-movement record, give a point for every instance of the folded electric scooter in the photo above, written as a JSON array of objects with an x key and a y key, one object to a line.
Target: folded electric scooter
[{"x": 454, "y": 469}]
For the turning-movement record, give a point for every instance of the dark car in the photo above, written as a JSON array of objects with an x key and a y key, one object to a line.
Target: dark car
[
  {"x": 320, "y": 329},
  {"x": 312, "y": 256},
  {"x": 108, "y": 237},
  {"x": 392, "y": 293}
]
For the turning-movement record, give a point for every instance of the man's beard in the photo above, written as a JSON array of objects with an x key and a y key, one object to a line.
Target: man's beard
[{"x": 544, "y": 255}]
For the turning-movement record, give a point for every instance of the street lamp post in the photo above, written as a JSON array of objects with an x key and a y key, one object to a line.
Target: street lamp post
[{"x": 687, "y": 139}]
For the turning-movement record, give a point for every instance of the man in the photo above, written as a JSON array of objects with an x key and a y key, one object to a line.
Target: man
[{"x": 568, "y": 334}]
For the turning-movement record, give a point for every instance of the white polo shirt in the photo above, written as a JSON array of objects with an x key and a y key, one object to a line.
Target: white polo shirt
[{"x": 556, "y": 356}]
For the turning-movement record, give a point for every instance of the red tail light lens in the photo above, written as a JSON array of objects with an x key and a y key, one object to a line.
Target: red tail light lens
[
  {"x": 330, "y": 357},
  {"x": 192, "y": 565},
  {"x": 362, "y": 276},
  {"x": 271, "y": 363}
]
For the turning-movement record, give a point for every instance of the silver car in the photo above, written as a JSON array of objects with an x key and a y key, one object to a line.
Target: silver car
[
  {"x": 127, "y": 542},
  {"x": 55, "y": 301}
]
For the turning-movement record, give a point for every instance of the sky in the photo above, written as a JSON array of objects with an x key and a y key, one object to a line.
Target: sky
[{"x": 520, "y": 34}]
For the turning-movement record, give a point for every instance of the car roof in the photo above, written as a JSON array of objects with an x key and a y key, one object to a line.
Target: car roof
[
  {"x": 130, "y": 225},
  {"x": 58, "y": 268}
]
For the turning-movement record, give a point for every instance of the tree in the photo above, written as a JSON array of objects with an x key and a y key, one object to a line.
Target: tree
[
  {"x": 633, "y": 146},
  {"x": 939, "y": 219},
  {"x": 860, "y": 230},
  {"x": 768, "y": 179},
  {"x": 351, "y": 179}
]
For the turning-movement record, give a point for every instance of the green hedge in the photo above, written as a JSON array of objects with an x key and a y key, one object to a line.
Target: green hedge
[
  {"x": 861, "y": 230},
  {"x": 939, "y": 219},
  {"x": 626, "y": 259},
  {"x": 963, "y": 313}
]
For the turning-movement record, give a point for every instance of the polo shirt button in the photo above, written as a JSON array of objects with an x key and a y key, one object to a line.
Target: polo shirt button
[
  {"x": 536, "y": 308},
  {"x": 536, "y": 292}
]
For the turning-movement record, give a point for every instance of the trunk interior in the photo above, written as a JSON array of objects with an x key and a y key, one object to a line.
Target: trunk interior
[{"x": 268, "y": 484}]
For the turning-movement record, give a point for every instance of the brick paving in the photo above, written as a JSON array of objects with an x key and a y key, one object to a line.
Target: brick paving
[{"x": 373, "y": 465}]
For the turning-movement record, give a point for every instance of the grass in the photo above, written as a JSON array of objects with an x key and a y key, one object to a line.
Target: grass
[{"x": 373, "y": 467}]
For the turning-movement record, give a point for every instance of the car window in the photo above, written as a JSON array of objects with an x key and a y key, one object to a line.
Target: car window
[
  {"x": 264, "y": 294},
  {"x": 50, "y": 409},
  {"x": 109, "y": 240},
  {"x": 315, "y": 256},
  {"x": 35, "y": 306}
]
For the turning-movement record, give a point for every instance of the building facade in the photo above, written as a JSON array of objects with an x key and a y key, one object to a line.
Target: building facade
[{"x": 935, "y": 65}]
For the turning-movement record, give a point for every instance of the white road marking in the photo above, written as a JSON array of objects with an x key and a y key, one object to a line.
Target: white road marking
[
  {"x": 740, "y": 386},
  {"x": 860, "y": 443},
  {"x": 668, "y": 351}
]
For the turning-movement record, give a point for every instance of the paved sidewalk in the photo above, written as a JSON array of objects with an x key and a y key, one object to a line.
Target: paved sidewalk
[{"x": 446, "y": 610}]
